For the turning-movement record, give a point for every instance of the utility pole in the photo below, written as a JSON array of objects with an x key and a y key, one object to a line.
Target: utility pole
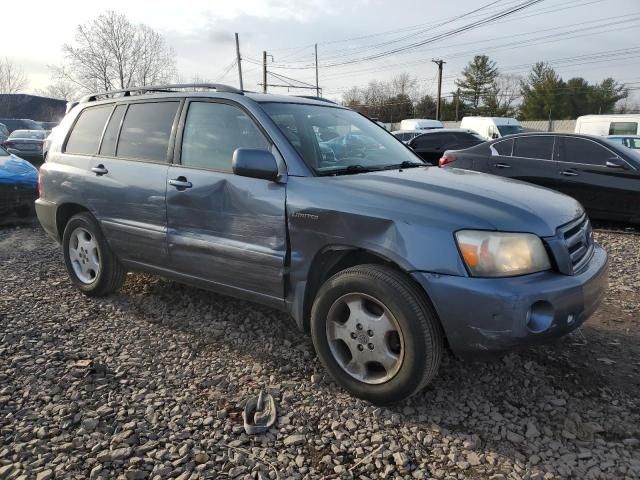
[
  {"x": 264, "y": 71},
  {"x": 317, "y": 85},
  {"x": 439, "y": 62},
  {"x": 457, "y": 104},
  {"x": 239, "y": 61}
]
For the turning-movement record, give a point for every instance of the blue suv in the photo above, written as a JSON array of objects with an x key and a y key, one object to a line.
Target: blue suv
[{"x": 312, "y": 208}]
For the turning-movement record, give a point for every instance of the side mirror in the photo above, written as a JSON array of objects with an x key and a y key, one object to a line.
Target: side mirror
[
  {"x": 616, "y": 162},
  {"x": 255, "y": 163}
]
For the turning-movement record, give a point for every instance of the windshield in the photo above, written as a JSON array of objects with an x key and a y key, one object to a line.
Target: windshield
[
  {"x": 334, "y": 140},
  {"x": 509, "y": 129},
  {"x": 37, "y": 134}
]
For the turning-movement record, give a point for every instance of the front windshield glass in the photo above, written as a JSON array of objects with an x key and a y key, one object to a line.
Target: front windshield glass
[
  {"x": 335, "y": 141},
  {"x": 509, "y": 129}
]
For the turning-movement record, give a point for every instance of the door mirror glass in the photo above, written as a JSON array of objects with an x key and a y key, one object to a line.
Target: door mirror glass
[
  {"x": 255, "y": 163},
  {"x": 615, "y": 162}
]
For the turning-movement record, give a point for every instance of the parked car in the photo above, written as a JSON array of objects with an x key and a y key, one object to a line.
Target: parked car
[
  {"x": 18, "y": 185},
  {"x": 629, "y": 141},
  {"x": 602, "y": 176},
  {"x": 620, "y": 124},
  {"x": 492, "y": 127},
  {"x": 420, "y": 124},
  {"x": 378, "y": 256},
  {"x": 20, "y": 124},
  {"x": 430, "y": 145},
  {"x": 406, "y": 135},
  {"x": 27, "y": 144},
  {"x": 48, "y": 125}
]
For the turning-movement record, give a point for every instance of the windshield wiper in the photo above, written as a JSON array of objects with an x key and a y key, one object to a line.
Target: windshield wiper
[
  {"x": 351, "y": 169},
  {"x": 405, "y": 164}
]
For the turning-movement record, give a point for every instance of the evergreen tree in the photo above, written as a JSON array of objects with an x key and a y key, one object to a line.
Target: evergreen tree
[
  {"x": 543, "y": 94},
  {"x": 478, "y": 81}
]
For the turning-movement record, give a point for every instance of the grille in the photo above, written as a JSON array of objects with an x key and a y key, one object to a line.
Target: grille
[{"x": 578, "y": 239}]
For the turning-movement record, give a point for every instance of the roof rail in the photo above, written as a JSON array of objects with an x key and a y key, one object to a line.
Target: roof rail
[
  {"x": 126, "y": 92},
  {"x": 320, "y": 99}
]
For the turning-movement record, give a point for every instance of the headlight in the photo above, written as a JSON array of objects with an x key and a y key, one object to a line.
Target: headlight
[{"x": 497, "y": 254}]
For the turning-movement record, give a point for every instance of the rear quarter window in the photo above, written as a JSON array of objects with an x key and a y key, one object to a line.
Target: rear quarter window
[
  {"x": 87, "y": 131},
  {"x": 504, "y": 148}
]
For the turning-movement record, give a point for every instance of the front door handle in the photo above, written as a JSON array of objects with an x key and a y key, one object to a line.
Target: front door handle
[
  {"x": 569, "y": 173},
  {"x": 99, "y": 170},
  {"x": 501, "y": 165},
  {"x": 181, "y": 183}
]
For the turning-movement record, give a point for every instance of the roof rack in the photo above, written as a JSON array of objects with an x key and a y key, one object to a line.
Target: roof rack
[
  {"x": 320, "y": 99},
  {"x": 126, "y": 92}
]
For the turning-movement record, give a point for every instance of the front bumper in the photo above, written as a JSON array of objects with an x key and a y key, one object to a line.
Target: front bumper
[
  {"x": 16, "y": 196},
  {"x": 497, "y": 314}
]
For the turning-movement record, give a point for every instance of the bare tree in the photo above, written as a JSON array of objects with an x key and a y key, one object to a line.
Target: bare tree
[
  {"x": 403, "y": 84},
  {"x": 61, "y": 89},
  {"x": 111, "y": 53},
  {"x": 12, "y": 77}
]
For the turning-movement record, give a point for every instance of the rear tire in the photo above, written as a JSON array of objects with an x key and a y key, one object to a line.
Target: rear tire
[
  {"x": 376, "y": 333},
  {"x": 92, "y": 265}
]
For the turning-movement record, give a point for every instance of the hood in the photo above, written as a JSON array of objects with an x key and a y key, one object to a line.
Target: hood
[
  {"x": 459, "y": 199},
  {"x": 14, "y": 170}
]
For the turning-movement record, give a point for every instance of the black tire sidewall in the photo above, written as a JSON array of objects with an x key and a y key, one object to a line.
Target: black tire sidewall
[
  {"x": 86, "y": 221},
  {"x": 417, "y": 341}
]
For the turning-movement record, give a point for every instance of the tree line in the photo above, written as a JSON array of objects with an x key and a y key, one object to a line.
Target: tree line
[{"x": 485, "y": 91}]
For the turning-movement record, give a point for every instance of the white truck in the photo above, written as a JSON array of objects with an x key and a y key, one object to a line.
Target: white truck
[
  {"x": 419, "y": 124},
  {"x": 492, "y": 127},
  {"x": 623, "y": 124}
]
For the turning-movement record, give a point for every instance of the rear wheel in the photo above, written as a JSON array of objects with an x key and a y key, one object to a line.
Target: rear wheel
[
  {"x": 91, "y": 264},
  {"x": 376, "y": 333}
]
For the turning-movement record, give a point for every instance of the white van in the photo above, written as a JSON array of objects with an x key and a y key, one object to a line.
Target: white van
[
  {"x": 420, "y": 124},
  {"x": 492, "y": 127},
  {"x": 603, "y": 125}
]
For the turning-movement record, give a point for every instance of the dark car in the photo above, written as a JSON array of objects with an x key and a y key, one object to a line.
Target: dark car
[
  {"x": 603, "y": 176},
  {"x": 377, "y": 256},
  {"x": 18, "y": 185},
  {"x": 20, "y": 124},
  {"x": 27, "y": 144},
  {"x": 431, "y": 144},
  {"x": 48, "y": 125}
]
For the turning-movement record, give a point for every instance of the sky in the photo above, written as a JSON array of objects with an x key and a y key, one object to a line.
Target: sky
[{"x": 594, "y": 39}]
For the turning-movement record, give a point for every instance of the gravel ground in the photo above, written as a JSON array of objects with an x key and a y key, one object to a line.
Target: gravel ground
[{"x": 150, "y": 383}]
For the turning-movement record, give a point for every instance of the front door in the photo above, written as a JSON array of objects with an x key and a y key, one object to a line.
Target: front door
[
  {"x": 606, "y": 192},
  {"x": 527, "y": 158},
  {"x": 224, "y": 229}
]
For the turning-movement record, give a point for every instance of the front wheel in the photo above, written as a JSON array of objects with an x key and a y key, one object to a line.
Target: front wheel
[
  {"x": 91, "y": 264},
  {"x": 376, "y": 333}
]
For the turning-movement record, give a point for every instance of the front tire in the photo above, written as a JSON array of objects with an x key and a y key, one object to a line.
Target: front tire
[
  {"x": 376, "y": 333},
  {"x": 91, "y": 264}
]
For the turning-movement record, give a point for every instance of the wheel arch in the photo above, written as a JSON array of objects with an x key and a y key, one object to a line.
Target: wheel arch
[{"x": 64, "y": 213}]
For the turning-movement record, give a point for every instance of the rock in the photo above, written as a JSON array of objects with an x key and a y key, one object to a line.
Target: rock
[
  {"x": 400, "y": 459},
  {"x": 293, "y": 440},
  {"x": 90, "y": 424},
  {"x": 514, "y": 437},
  {"x": 120, "y": 454},
  {"x": 135, "y": 475},
  {"x": 201, "y": 457},
  {"x": 532, "y": 431},
  {"x": 473, "y": 459},
  {"x": 45, "y": 475}
]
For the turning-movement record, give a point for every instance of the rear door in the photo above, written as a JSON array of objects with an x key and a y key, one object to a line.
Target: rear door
[
  {"x": 527, "y": 158},
  {"x": 430, "y": 147},
  {"x": 224, "y": 229},
  {"x": 606, "y": 192},
  {"x": 127, "y": 179}
]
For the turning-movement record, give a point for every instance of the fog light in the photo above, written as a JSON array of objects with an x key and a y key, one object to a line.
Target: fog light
[{"x": 540, "y": 317}]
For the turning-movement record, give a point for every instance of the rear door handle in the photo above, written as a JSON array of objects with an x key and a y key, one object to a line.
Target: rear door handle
[
  {"x": 569, "y": 173},
  {"x": 99, "y": 170},
  {"x": 501, "y": 165},
  {"x": 181, "y": 183}
]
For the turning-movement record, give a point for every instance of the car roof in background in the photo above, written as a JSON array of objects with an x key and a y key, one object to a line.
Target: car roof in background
[{"x": 27, "y": 133}]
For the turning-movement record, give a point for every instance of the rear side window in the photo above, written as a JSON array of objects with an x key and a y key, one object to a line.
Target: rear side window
[
  {"x": 623, "y": 128},
  {"x": 534, "y": 147},
  {"x": 504, "y": 148},
  {"x": 111, "y": 133},
  {"x": 579, "y": 150},
  {"x": 213, "y": 131},
  {"x": 146, "y": 130},
  {"x": 86, "y": 133}
]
